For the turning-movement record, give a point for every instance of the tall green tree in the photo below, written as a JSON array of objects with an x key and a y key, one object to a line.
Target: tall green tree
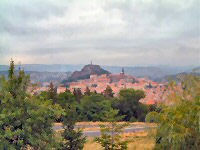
[
  {"x": 111, "y": 138},
  {"x": 129, "y": 105},
  {"x": 52, "y": 93},
  {"x": 11, "y": 70},
  {"x": 73, "y": 138},
  {"x": 25, "y": 120}
]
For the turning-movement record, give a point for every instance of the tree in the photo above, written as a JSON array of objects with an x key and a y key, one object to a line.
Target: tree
[
  {"x": 87, "y": 91},
  {"x": 11, "y": 70},
  {"x": 25, "y": 120},
  {"x": 95, "y": 92},
  {"x": 178, "y": 122},
  {"x": 66, "y": 98},
  {"x": 78, "y": 94},
  {"x": 108, "y": 92},
  {"x": 67, "y": 90},
  {"x": 129, "y": 105},
  {"x": 111, "y": 134},
  {"x": 94, "y": 107},
  {"x": 52, "y": 93},
  {"x": 73, "y": 138}
]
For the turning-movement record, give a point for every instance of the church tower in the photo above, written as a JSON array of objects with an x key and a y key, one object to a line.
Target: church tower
[{"x": 122, "y": 71}]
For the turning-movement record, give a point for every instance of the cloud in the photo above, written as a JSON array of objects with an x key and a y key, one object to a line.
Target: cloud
[{"x": 110, "y": 32}]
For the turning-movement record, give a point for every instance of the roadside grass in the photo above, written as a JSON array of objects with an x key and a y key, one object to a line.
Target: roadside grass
[
  {"x": 136, "y": 141},
  {"x": 105, "y": 123},
  {"x": 144, "y": 140}
]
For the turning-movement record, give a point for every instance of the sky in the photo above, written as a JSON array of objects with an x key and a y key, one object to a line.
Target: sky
[{"x": 108, "y": 32}]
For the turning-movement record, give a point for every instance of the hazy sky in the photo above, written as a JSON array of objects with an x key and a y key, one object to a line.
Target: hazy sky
[{"x": 109, "y": 32}]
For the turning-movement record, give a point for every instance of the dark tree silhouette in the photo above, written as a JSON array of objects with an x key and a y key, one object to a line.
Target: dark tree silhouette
[
  {"x": 108, "y": 92},
  {"x": 87, "y": 91},
  {"x": 78, "y": 94}
]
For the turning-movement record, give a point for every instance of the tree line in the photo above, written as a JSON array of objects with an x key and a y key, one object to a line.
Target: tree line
[{"x": 92, "y": 106}]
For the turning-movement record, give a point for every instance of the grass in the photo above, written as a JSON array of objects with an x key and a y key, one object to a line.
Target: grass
[{"x": 137, "y": 141}]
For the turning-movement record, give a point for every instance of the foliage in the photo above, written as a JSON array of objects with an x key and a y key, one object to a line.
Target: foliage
[
  {"x": 87, "y": 91},
  {"x": 129, "y": 105},
  {"x": 78, "y": 94},
  {"x": 25, "y": 120},
  {"x": 52, "y": 93},
  {"x": 152, "y": 117},
  {"x": 94, "y": 107},
  {"x": 66, "y": 98},
  {"x": 108, "y": 92},
  {"x": 111, "y": 135},
  {"x": 179, "y": 124},
  {"x": 73, "y": 138}
]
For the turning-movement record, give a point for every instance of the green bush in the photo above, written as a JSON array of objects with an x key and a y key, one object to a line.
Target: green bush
[
  {"x": 179, "y": 122},
  {"x": 152, "y": 117}
]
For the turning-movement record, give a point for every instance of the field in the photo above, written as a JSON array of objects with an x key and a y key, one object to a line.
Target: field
[
  {"x": 137, "y": 141},
  {"x": 142, "y": 140}
]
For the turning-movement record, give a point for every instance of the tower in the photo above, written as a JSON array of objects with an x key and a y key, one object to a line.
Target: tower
[{"x": 122, "y": 70}]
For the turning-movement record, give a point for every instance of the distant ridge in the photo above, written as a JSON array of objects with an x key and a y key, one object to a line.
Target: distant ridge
[
  {"x": 196, "y": 70},
  {"x": 39, "y": 77},
  {"x": 45, "y": 67},
  {"x": 155, "y": 73}
]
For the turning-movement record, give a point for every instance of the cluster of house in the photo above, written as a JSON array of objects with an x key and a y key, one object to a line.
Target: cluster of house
[{"x": 155, "y": 92}]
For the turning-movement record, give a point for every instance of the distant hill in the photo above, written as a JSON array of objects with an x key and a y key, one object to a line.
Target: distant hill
[
  {"x": 177, "y": 76},
  {"x": 155, "y": 73},
  {"x": 45, "y": 67},
  {"x": 149, "y": 72},
  {"x": 196, "y": 70},
  {"x": 86, "y": 72},
  {"x": 55, "y": 77},
  {"x": 4, "y": 67}
]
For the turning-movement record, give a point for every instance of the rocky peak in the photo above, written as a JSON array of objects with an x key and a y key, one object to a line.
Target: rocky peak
[{"x": 86, "y": 71}]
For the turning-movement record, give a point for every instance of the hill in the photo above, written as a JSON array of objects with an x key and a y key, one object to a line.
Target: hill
[
  {"x": 176, "y": 77},
  {"x": 196, "y": 70},
  {"x": 45, "y": 67},
  {"x": 150, "y": 72},
  {"x": 86, "y": 72},
  {"x": 55, "y": 77},
  {"x": 155, "y": 73}
]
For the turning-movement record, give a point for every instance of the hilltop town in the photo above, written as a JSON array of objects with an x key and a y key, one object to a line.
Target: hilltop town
[
  {"x": 97, "y": 80},
  {"x": 153, "y": 90}
]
